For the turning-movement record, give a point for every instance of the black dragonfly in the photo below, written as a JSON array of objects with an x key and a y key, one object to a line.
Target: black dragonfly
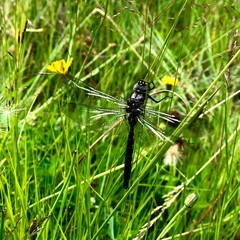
[{"x": 98, "y": 105}]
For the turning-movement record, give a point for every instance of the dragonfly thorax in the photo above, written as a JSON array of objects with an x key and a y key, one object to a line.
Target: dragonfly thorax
[{"x": 135, "y": 108}]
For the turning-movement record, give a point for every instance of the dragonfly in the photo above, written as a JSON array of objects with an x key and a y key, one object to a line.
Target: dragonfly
[{"x": 99, "y": 105}]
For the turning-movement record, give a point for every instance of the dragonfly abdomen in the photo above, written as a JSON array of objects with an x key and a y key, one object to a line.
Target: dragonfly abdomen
[{"x": 129, "y": 157}]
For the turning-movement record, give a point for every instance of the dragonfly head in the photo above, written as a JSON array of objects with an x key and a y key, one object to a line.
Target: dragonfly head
[{"x": 141, "y": 86}]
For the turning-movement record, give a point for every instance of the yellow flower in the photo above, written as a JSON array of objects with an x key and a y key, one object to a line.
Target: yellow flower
[
  {"x": 60, "y": 67},
  {"x": 170, "y": 81}
]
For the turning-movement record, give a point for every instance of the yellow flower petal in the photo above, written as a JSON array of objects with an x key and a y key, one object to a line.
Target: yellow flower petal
[
  {"x": 170, "y": 81},
  {"x": 60, "y": 67}
]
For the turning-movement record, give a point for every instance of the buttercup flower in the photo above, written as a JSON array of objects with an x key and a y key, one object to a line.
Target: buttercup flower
[
  {"x": 60, "y": 67},
  {"x": 170, "y": 81}
]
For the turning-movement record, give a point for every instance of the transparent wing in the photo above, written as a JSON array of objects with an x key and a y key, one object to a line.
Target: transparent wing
[
  {"x": 156, "y": 131},
  {"x": 157, "y": 120},
  {"x": 164, "y": 117},
  {"x": 161, "y": 115},
  {"x": 161, "y": 110},
  {"x": 89, "y": 106}
]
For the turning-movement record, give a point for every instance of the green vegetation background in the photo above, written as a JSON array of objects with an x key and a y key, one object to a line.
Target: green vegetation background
[{"x": 54, "y": 184}]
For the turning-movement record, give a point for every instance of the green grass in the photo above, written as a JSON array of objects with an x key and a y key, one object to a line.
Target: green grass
[{"x": 60, "y": 180}]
